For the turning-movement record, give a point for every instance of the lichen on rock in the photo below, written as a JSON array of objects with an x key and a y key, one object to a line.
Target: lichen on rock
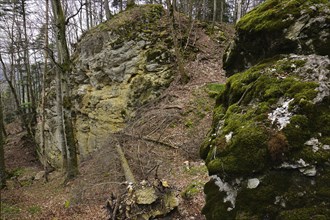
[{"x": 118, "y": 66}]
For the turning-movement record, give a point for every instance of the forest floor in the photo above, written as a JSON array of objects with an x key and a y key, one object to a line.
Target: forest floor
[{"x": 166, "y": 134}]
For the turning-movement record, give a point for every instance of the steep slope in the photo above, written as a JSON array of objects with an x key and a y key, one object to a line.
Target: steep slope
[
  {"x": 268, "y": 151},
  {"x": 129, "y": 94}
]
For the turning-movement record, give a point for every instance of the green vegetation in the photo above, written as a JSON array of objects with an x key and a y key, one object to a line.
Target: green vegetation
[
  {"x": 34, "y": 209},
  {"x": 192, "y": 189},
  {"x": 275, "y": 15},
  {"x": 214, "y": 89},
  {"x": 7, "y": 209}
]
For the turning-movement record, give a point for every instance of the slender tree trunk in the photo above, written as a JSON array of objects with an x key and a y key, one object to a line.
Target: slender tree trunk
[
  {"x": 31, "y": 98},
  {"x": 87, "y": 14},
  {"x": 90, "y": 13},
  {"x": 190, "y": 9},
  {"x": 2, "y": 153},
  {"x": 221, "y": 10},
  {"x": 204, "y": 10},
  {"x": 239, "y": 10},
  {"x": 43, "y": 97},
  {"x": 107, "y": 9},
  {"x": 184, "y": 78},
  {"x": 120, "y": 5},
  {"x": 64, "y": 69},
  {"x": 19, "y": 108},
  {"x": 214, "y": 12}
]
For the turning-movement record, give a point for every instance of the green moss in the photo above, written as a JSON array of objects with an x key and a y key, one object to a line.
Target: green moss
[
  {"x": 274, "y": 15},
  {"x": 297, "y": 132},
  {"x": 215, "y": 89},
  {"x": 34, "y": 209},
  {"x": 7, "y": 209},
  {"x": 192, "y": 189},
  {"x": 196, "y": 170},
  {"x": 215, "y": 208},
  {"x": 315, "y": 212},
  {"x": 128, "y": 24}
]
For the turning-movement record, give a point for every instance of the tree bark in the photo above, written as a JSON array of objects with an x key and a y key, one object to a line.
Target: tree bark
[
  {"x": 43, "y": 97},
  {"x": 214, "y": 12},
  {"x": 221, "y": 10},
  {"x": 2, "y": 153},
  {"x": 107, "y": 9},
  {"x": 30, "y": 92},
  {"x": 64, "y": 68}
]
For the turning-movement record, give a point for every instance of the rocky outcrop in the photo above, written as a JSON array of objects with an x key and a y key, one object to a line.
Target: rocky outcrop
[
  {"x": 269, "y": 147},
  {"x": 118, "y": 66},
  {"x": 279, "y": 27}
]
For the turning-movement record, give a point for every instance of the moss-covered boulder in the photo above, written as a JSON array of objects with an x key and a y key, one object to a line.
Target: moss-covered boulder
[
  {"x": 269, "y": 148},
  {"x": 280, "y": 27}
]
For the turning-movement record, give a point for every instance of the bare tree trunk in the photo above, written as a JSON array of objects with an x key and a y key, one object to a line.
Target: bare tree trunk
[
  {"x": 221, "y": 10},
  {"x": 64, "y": 67},
  {"x": 190, "y": 9},
  {"x": 2, "y": 153},
  {"x": 214, "y": 12},
  {"x": 30, "y": 93},
  {"x": 107, "y": 9},
  {"x": 184, "y": 78},
  {"x": 17, "y": 102},
  {"x": 239, "y": 10},
  {"x": 90, "y": 14},
  {"x": 87, "y": 15},
  {"x": 120, "y": 5},
  {"x": 43, "y": 94}
]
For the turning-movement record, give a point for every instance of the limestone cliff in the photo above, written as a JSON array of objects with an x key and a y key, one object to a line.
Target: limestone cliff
[
  {"x": 118, "y": 66},
  {"x": 269, "y": 148}
]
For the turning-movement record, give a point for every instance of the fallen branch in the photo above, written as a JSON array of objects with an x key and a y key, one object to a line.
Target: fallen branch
[
  {"x": 124, "y": 164},
  {"x": 149, "y": 140}
]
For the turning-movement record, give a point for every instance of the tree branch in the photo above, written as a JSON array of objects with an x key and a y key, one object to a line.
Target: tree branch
[
  {"x": 51, "y": 55},
  {"x": 68, "y": 19}
]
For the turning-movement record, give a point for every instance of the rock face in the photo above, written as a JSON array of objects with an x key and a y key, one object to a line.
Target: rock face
[
  {"x": 269, "y": 148},
  {"x": 280, "y": 27},
  {"x": 118, "y": 66}
]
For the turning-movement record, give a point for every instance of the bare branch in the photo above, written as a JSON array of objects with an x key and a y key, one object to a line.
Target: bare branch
[{"x": 68, "y": 19}]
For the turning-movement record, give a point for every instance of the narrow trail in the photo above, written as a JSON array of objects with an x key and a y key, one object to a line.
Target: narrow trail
[{"x": 177, "y": 122}]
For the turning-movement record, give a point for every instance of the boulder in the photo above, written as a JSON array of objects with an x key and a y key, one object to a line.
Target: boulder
[
  {"x": 279, "y": 27},
  {"x": 268, "y": 152}
]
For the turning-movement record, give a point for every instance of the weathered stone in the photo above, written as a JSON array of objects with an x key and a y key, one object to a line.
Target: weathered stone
[
  {"x": 113, "y": 74},
  {"x": 39, "y": 175},
  {"x": 279, "y": 27},
  {"x": 146, "y": 196}
]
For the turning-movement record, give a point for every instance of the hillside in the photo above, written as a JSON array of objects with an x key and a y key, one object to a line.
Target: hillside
[{"x": 128, "y": 92}]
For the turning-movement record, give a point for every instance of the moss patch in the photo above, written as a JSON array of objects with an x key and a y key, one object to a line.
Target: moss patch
[{"x": 275, "y": 15}]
